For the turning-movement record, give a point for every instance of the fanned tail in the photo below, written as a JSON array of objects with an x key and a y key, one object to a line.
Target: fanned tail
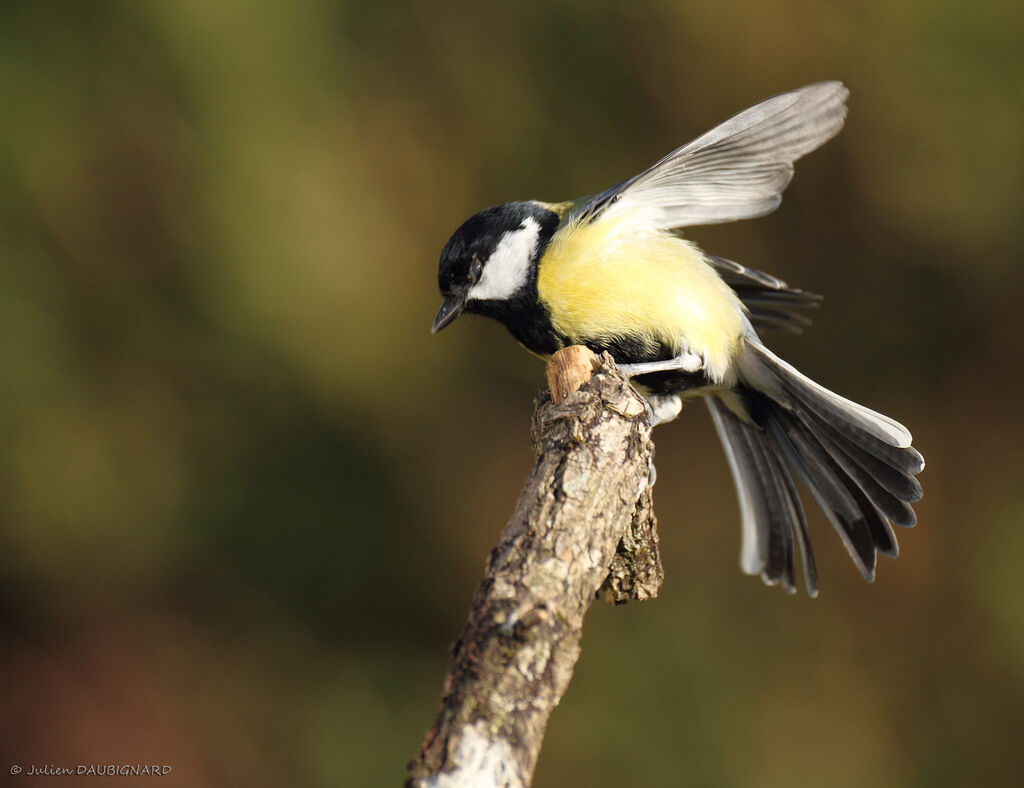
[{"x": 858, "y": 465}]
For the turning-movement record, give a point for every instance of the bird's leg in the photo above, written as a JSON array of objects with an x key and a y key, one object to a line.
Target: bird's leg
[{"x": 686, "y": 361}]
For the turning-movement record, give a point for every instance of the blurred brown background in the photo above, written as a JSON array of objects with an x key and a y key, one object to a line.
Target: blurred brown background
[{"x": 245, "y": 496}]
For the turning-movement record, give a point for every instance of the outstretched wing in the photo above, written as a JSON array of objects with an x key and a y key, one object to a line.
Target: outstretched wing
[{"x": 739, "y": 169}]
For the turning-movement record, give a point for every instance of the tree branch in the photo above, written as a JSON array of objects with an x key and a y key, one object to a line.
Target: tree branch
[{"x": 583, "y": 523}]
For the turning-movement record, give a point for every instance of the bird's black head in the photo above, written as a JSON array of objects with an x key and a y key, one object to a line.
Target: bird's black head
[{"x": 492, "y": 258}]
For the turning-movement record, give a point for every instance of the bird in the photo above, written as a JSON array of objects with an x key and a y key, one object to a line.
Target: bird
[{"x": 614, "y": 272}]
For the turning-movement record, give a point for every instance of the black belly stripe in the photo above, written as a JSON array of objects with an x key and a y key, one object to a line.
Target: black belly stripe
[
  {"x": 674, "y": 382},
  {"x": 631, "y": 350}
]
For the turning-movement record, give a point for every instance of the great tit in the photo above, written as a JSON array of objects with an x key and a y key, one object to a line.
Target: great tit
[{"x": 612, "y": 272}]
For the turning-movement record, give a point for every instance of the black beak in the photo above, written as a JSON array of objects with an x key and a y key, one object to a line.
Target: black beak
[{"x": 450, "y": 309}]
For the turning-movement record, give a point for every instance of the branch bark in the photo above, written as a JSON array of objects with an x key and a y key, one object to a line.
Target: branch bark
[{"x": 583, "y": 524}]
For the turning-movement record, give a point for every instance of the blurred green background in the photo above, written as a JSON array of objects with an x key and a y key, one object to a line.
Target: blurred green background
[{"x": 245, "y": 496}]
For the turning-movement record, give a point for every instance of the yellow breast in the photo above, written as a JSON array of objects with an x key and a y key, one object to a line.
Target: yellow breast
[{"x": 620, "y": 276}]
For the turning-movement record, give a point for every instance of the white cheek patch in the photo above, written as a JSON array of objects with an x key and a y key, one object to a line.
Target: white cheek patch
[{"x": 508, "y": 267}]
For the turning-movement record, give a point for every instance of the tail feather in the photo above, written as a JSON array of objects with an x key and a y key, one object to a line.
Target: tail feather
[
  {"x": 855, "y": 519},
  {"x": 906, "y": 461},
  {"x": 792, "y": 387},
  {"x": 891, "y": 490},
  {"x": 797, "y": 523},
  {"x": 857, "y": 464},
  {"x": 770, "y": 509}
]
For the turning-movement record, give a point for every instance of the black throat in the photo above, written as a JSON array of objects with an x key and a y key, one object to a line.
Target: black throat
[{"x": 526, "y": 318}]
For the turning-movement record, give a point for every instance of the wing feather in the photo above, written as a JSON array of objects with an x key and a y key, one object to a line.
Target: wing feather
[{"x": 739, "y": 169}]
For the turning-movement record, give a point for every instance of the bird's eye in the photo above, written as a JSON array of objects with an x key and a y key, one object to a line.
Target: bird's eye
[{"x": 475, "y": 269}]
